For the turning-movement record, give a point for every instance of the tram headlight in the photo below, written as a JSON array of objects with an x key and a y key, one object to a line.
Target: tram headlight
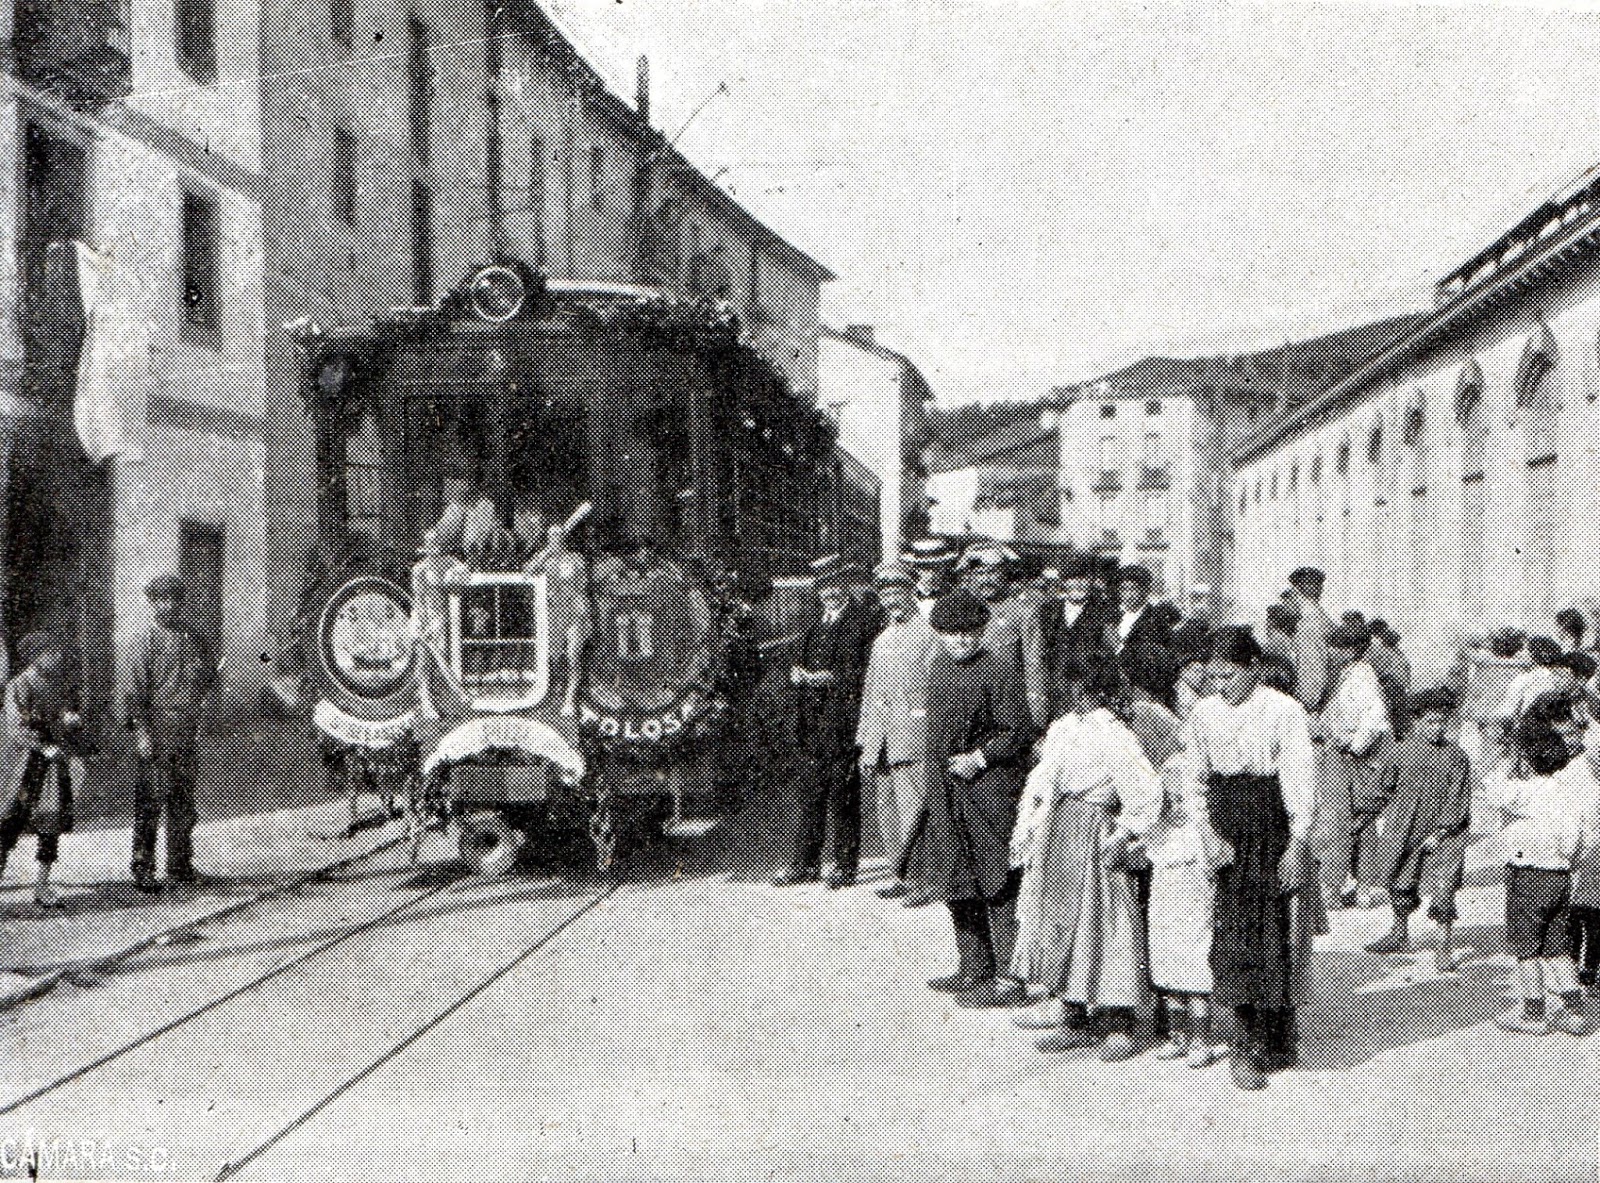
[{"x": 498, "y": 293}]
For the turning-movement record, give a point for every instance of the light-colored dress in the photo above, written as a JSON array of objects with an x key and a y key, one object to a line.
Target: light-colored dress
[
  {"x": 1080, "y": 935},
  {"x": 1182, "y": 895}
]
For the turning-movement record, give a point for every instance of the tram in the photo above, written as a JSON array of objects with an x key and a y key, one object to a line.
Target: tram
[{"x": 529, "y": 498}]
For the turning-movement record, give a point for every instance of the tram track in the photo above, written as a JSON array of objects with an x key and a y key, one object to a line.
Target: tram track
[
  {"x": 418, "y": 1032},
  {"x": 185, "y": 1019}
]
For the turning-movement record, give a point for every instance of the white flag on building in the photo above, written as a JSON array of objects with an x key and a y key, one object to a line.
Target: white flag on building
[{"x": 110, "y": 408}]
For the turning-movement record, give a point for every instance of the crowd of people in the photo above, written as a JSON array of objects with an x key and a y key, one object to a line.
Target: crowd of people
[
  {"x": 45, "y": 743},
  {"x": 1139, "y": 819}
]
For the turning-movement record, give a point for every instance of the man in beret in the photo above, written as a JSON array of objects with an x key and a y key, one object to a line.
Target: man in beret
[
  {"x": 829, "y": 668},
  {"x": 1070, "y": 644},
  {"x": 1311, "y": 683},
  {"x": 175, "y": 675},
  {"x": 892, "y": 735},
  {"x": 978, "y": 740},
  {"x": 1349, "y": 735}
]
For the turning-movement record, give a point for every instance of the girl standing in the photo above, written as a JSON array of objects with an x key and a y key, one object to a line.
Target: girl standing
[{"x": 35, "y": 788}]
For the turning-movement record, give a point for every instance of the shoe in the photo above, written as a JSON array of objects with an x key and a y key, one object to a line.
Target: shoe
[
  {"x": 1246, "y": 1070},
  {"x": 187, "y": 878},
  {"x": 918, "y": 897},
  {"x": 1046, "y": 1016},
  {"x": 893, "y": 892},
  {"x": 1519, "y": 1023},
  {"x": 954, "y": 984},
  {"x": 148, "y": 884},
  {"x": 1570, "y": 1021},
  {"x": 837, "y": 879},
  {"x": 990, "y": 994},
  {"x": 1395, "y": 940},
  {"x": 1444, "y": 961},
  {"x": 1281, "y": 1060},
  {"x": 1068, "y": 1039},
  {"x": 793, "y": 877},
  {"x": 47, "y": 897},
  {"x": 1117, "y": 1047},
  {"x": 1175, "y": 1048},
  {"x": 1203, "y": 1054}
]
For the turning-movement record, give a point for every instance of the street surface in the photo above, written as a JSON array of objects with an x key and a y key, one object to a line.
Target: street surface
[{"x": 700, "y": 1024}]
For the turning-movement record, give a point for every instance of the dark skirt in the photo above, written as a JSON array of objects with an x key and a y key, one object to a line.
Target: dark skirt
[{"x": 1252, "y": 962}]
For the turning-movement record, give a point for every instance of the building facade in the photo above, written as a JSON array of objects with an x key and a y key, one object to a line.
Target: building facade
[
  {"x": 1450, "y": 484},
  {"x": 879, "y": 399},
  {"x": 130, "y": 132}
]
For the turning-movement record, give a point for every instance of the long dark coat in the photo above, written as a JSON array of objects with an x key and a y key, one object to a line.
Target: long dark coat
[
  {"x": 960, "y": 846},
  {"x": 1064, "y": 659},
  {"x": 826, "y": 717}
]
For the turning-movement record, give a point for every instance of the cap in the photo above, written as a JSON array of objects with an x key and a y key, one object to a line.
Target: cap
[
  {"x": 959, "y": 612},
  {"x": 164, "y": 587},
  {"x": 985, "y": 554}
]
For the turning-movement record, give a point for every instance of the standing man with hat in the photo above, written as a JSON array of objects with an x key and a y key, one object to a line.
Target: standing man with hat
[
  {"x": 1069, "y": 645},
  {"x": 175, "y": 675},
  {"x": 827, "y": 675},
  {"x": 986, "y": 571},
  {"x": 933, "y": 569},
  {"x": 893, "y": 733},
  {"x": 1144, "y": 637}
]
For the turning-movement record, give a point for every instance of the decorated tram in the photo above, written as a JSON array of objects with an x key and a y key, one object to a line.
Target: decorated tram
[{"x": 543, "y": 510}]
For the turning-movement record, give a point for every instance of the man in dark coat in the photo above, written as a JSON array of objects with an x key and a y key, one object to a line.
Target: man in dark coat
[
  {"x": 1144, "y": 637},
  {"x": 979, "y": 736},
  {"x": 1070, "y": 645},
  {"x": 827, "y": 675},
  {"x": 174, "y": 677}
]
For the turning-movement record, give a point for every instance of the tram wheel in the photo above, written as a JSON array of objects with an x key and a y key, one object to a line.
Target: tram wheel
[{"x": 488, "y": 843}]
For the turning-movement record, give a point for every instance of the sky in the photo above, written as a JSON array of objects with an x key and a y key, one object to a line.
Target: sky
[{"x": 1025, "y": 193}]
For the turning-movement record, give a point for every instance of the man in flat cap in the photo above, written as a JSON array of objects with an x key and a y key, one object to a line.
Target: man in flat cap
[
  {"x": 1069, "y": 646},
  {"x": 1312, "y": 682},
  {"x": 892, "y": 735},
  {"x": 829, "y": 667},
  {"x": 1351, "y": 735},
  {"x": 175, "y": 675}
]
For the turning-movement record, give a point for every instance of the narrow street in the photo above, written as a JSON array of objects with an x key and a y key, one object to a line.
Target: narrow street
[{"x": 671, "y": 1031}]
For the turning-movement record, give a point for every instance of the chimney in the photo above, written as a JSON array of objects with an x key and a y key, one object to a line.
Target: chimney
[
  {"x": 641, "y": 93},
  {"x": 860, "y": 334}
]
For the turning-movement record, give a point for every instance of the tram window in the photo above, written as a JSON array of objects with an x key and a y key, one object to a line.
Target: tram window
[{"x": 499, "y": 632}]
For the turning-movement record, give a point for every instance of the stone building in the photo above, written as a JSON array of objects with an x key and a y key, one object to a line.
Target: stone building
[
  {"x": 1450, "y": 483},
  {"x": 134, "y": 130},
  {"x": 880, "y": 399}
]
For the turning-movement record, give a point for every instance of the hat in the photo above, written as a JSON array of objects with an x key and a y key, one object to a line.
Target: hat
[
  {"x": 1135, "y": 574},
  {"x": 1580, "y": 663},
  {"x": 959, "y": 612},
  {"x": 164, "y": 587},
  {"x": 1310, "y": 576},
  {"x": 1442, "y": 699},
  {"x": 1191, "y": 641},
  {"x": 1544, "y": 650},
  {"x": 1282, "y": 617},
  {"x": 930, "y": 552},
  {"x": 1078, "y": 566},
  {"x": 985, "y": 554},
  {"x": 891, "y": 575}
]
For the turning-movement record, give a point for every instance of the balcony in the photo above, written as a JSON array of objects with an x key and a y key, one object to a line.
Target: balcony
[
  {"x": 76, "y": 49},
  {"x": 1155, "y": 478},
  {"x": 1107, "y": 484}
]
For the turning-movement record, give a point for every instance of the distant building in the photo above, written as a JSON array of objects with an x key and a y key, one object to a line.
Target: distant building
[
  {"x": 879, "y": 399},
  {"x": 1450, "y": 483},
  {"x": 1005, "y": 486}
]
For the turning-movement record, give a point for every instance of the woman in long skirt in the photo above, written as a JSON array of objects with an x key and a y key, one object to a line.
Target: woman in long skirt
[
  {"x": 1254, "y": 767},
  {"x": 1080, "y": 931},
  {"x": 35, "y": 788}
]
